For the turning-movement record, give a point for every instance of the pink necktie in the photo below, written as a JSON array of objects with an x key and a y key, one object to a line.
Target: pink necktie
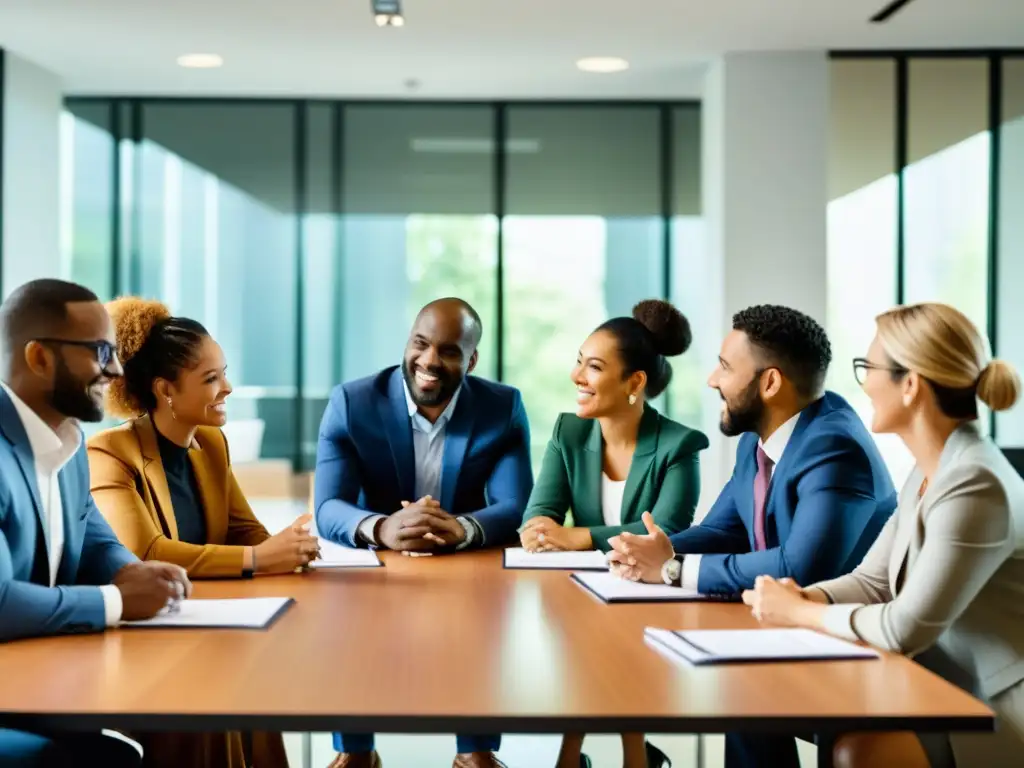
[{"x": 761, "y": 480}]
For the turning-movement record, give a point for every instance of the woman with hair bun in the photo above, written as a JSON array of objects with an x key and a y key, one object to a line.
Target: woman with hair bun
[
  {"x": 944, "y": 580},
  {"x": 163, "y": 481},
  {"x": 616, "y": 458}
]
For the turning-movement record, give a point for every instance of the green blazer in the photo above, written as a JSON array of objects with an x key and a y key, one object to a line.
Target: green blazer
[{"x": 664, "y": 476}]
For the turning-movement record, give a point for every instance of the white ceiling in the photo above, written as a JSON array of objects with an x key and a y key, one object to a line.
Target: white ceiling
[{"x": 458, "y": 48}]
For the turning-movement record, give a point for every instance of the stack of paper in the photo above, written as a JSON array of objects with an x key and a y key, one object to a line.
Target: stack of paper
[
  {"x": 336, "y": 556},
  {"x": 591, "y": 560},
  {"x": 611, "y": 589},
  {"x": 722, "y": 646},
  {"x": 248, "y": 613}
]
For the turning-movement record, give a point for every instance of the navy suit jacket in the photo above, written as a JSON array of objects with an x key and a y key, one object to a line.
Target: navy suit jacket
[
  {"x": 365, "y": 462},
  {"x": 29, "y": 606},
  {"x": 829, "y": 497}
]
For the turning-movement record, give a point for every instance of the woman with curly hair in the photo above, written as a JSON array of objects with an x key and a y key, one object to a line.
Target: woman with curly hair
[
  {"x": 163, "y": 481},
  {"x": 617, "y": 458}
]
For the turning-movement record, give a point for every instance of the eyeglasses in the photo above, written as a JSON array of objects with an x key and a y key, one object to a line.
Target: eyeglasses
[
  {"x": 861, "y": 366},
  {"x": 106, "y": 353}
]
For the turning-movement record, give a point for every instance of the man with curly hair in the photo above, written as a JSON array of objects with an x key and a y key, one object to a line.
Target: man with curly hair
[{"x": 808, "y": 495}]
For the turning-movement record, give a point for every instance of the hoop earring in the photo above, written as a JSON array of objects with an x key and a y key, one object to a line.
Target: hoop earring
[{"x": 632, "y": 399}]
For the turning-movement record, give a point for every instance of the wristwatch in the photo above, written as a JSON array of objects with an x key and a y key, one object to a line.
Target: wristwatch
[
  {"x": 672, "y": 572},
  {"x": 467, "y": 526}
]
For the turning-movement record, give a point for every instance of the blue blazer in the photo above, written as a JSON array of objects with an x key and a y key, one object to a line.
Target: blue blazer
[
  {"x": 829, "y": 497},
  {"x": 92, "y": 554},
  {"x": 365, "y": 461}
]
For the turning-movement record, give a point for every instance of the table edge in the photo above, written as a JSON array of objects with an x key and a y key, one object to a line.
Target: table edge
[{"x": 505, "y": 724}]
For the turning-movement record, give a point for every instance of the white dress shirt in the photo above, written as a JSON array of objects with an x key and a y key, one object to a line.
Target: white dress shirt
[
  {"x": 51, "y": 451},
  {"x": 428, "y": 449},
  {"x": 773, "y": 447},
  {"x": 611, "y": 499}
]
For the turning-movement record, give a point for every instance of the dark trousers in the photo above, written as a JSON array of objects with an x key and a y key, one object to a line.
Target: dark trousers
[{"x": 760, "y": 750}]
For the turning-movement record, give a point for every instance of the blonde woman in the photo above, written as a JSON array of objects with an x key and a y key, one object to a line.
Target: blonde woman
[{"x": 944, "y": 582}]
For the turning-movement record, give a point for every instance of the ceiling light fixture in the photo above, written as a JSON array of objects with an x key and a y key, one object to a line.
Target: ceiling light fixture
[
  {"x": 602, "y": 64},
  {"x": 200, "y": 61},
  {"x": 387, "y": 13}
]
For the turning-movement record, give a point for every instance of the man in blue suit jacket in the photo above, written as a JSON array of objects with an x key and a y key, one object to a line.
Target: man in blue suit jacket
[
  {"x": 424, "y": 458},
  {"x": 62, "y": 570},
  {"x": 808, "y": 495}
]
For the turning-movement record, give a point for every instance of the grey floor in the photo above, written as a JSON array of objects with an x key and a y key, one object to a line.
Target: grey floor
[{"x": 518, "y": 751}]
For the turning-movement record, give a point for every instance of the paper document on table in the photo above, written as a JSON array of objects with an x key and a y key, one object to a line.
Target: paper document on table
[
  {"x": 722, "y": 646},
  {"x": 591, "y": 560},
  {"x": 611, "y": 589},
  {"x": 245, "y": 613},
  {"x": 337, "y": 556}
]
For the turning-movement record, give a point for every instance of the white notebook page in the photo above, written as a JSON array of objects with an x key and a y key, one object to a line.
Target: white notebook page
[{"x": 517, "y": 557}]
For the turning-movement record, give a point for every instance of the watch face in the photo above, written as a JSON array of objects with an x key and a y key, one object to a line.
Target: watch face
[{"x": 670, "y": 573}]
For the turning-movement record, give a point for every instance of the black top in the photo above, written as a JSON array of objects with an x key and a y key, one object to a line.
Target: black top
[{"x": 185, "y": 498}]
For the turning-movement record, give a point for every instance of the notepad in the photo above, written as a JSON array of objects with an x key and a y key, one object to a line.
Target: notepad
[
  {"x": 337, "y": 556},
  {"x": 592, "y": 560},
  {"x": 246, "y": 613},
  {"x": 725, "y": 646},
  {"x": 611, "y": 589}
]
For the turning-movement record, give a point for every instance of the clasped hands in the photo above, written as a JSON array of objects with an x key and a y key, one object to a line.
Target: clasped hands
[
  {"x": 420, "y": 528},
  {"x": 783, "y": 603},
  {"x": 640, "y": 557},
  {"x": 542, "y": 534}
]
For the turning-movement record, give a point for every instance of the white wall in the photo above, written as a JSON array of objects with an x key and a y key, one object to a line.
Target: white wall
[
  {"x": 765, "y": 142},
  {"x": 31, "y": 172}
]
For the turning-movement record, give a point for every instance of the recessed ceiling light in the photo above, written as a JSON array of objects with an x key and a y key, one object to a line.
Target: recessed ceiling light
[
  {"x": 602, "y": 64},
  {"x": 200, "y": 61}
]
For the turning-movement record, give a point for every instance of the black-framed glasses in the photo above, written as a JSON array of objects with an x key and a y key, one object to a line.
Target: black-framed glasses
[
  {"x": 105, "y": 352},
  {"x": 861, "y": 366}
]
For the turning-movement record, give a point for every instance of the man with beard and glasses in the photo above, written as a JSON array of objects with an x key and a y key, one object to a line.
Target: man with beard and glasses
[
  {"x": 62, "y": 570},
  {"x": 424, "y": 458},
  {"x": 808, "y": 495}
]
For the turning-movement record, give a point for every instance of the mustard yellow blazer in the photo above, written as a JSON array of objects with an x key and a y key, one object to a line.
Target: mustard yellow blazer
[{"x": 130, "y": 489}]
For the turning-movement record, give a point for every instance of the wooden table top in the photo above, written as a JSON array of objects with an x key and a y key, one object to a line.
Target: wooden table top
[{"x": 454, "y": 643}]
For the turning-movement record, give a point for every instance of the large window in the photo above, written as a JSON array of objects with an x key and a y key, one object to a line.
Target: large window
[
  {"x": 216, "y": 207},
  {"x": 926, "y": 171},
  {"x": 582, "y": 241},
  {"x": 87, "y": 196},
  {"x": 691, "y": 276},
  {"x": 946, "y": 194},
  {"x": 861, "y": 226},
  {"x": 1009, "y": 340},
  {"x": 307, "y": 235}
]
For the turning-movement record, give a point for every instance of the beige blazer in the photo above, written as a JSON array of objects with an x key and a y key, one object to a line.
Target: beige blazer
[{"x": 947, "y": 570}]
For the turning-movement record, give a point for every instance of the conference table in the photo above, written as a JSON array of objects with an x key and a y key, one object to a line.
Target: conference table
[{"x": 456, "y": 643}]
